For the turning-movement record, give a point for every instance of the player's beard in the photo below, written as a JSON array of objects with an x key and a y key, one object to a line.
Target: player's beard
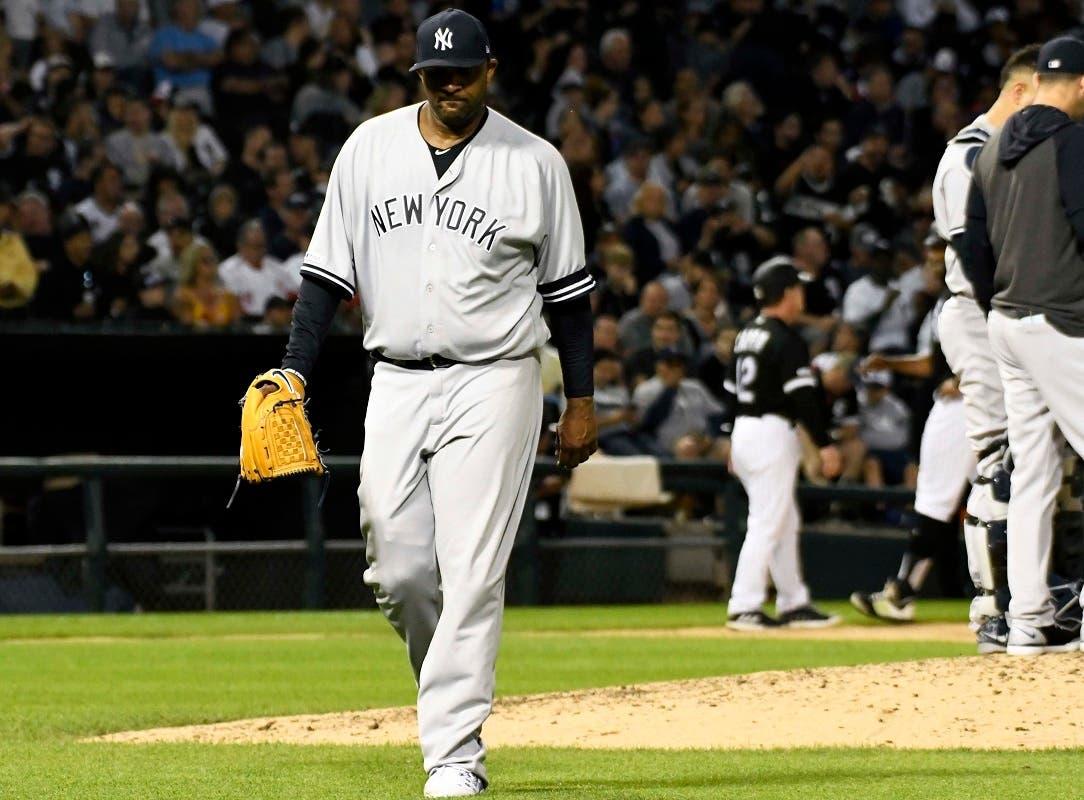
[{"x": 459, "y": 116}]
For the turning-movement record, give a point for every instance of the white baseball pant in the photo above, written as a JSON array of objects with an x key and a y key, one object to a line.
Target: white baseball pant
[
  {"x": 966, "y": 345},
  {"x": 946, "y": 462},
  {"x": 444, "y": 477},
  {"x": 765, "y": 453},
  {"x": 1042, "y": 371}
]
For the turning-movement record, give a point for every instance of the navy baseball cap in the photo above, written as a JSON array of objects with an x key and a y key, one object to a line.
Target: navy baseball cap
[
  {"x": 774, "y": 277},
  {"x": 452, "y": 38},
  {"x": 1064, "y": 54}
]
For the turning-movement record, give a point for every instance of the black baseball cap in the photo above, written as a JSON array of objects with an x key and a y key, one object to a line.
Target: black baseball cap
[
  {"x": 774, "y": 277},
  {"x": 1064, "y": 54},
  {"x": 452, "y": 38}
]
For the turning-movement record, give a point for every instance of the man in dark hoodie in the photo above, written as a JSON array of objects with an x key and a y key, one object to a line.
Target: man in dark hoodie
[{"x": 1023, "y": 248}]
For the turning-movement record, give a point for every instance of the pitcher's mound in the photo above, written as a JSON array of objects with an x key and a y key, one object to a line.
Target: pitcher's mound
[{"x": 990, "y": 702}]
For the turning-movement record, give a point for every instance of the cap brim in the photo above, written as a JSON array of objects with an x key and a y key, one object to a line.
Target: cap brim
[{"x": 448, "y": 62}]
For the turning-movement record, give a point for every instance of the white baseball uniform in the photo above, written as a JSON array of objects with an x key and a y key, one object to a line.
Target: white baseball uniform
[
  {"x": 946, "y": 462},
  {"x": 962, "y": 324},
  {"x": 455, "y": 266}
]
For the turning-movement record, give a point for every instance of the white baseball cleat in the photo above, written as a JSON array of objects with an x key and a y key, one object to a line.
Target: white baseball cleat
[
  {"x": 1028, "y": 641},
  {"x": 452, "y": 781}
]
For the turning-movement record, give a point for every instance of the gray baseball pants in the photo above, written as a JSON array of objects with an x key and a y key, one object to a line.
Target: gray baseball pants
[
  {"x": 1042, "y": 371},
  {"x": 444, "y": 478}
]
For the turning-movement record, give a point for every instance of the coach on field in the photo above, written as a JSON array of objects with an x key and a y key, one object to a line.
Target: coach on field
[{"x": 1023, "y": 255}]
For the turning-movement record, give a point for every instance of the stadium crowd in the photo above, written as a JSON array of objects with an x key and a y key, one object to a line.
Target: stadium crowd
[{"x": 162, "y": 162}]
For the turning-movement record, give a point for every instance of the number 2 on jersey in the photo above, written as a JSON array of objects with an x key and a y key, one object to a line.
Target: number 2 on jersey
[{"x": 746, "y": 374}]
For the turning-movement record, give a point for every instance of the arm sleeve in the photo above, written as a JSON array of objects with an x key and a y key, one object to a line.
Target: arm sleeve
[
  {"x": 313, "y": 312},
  {"x": 562, "y": 265},
  {"x": 571, "y": 327},
  {"x": 1070, "y": 150},
  {"x": 802, "y": 393},
  {"x": 975, "y": 251},
  {"x": 658, "y": 410},
  {"x": 330, "y": 256}
]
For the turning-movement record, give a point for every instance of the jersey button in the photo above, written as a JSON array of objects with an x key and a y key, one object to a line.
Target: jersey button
[
  {"x": 428, "y": 288},
  {"x": 429, "y": 329},
  {"x": 432, "y": 247}
]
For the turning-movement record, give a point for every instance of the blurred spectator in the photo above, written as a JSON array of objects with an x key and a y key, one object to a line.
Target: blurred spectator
[
  {"x": 178, "y": 236},
  {"x": 653, "y": 240},
  {"x": 125, "y": 39},
  {"x": 296, "y": 227},
  {"x": 34, "y": 222},
  {"x": 276, "y": 317},
  {"x": 102, "y": 209},
  {"x": 714, "y": 369},
  {"x": 873, "y": 303},
  {"x": 183, "y": 56},
  {"x": 253, "y": 275},
  {"x": 619, "y": 291},
  {"x": 278, "y": 186},
  {"x": 37, "y": 159},
  {"x": 885, "y": 430},
  {"x": 841, "y": 399},
  {"x": 624, "y": 176},
  {"x": 201, "y": 301},
  {"x": 223, "y": 17},
  {"x": 605, "y": 334},
  {"x": 135, "y": 148},
  {"x": 118, "y": 262},
  {"x": 69, "y": 290},
  {"x": 617, "y": 419},
  {"x": 246, "y": 86},
  {"x": 223, "y": 220},
  {"x": 191, "y": 147},
  {"x": 281, "y": 52},
  {"x": 665, "y": 337},
  {"x": 634, "y": 326},
  {"x": 18, "y": 272},
  {"x": 677, "y": 412}
]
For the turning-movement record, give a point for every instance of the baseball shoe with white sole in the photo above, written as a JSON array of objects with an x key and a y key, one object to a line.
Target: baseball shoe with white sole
[
  {"x": 1027, "y": 641},
  {"x": 751, "y": 621},
  {"x": 993, "y": 636},
  {"x": 808, "y": 617},
  {"x": 452, "y": 781},
  {"x": 894, "y": 603}
]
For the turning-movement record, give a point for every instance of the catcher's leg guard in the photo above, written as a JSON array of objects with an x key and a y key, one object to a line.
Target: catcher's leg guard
[{"x": 986, "y": 541}]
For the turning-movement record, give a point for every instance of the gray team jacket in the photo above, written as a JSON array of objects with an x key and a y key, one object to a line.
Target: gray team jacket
[{"x": 1024, "y": 238}]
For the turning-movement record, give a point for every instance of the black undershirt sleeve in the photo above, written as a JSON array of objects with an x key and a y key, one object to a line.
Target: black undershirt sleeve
[
  {"x": 314, "y": 311},
  {"x": 571, "y": 328},
  {"x": 975, "y": 251}
]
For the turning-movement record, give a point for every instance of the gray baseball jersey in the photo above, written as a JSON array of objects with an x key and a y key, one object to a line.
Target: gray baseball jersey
[
  {"x": 950, "y": 187},
  {"x": 456, "y": 266}
]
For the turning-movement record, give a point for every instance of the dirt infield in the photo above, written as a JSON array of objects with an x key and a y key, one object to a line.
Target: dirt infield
[{"x": 992, "y": 702}]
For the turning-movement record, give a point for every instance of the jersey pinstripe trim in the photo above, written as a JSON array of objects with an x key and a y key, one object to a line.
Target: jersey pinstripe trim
[
  {"x": 320, "y": 272},
  {"x": 579, "y": 283}
]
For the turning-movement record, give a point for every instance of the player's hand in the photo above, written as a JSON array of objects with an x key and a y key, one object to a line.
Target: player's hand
[
  {"x": 831, "y": 461},
  {"x": 577, "y": 432}
]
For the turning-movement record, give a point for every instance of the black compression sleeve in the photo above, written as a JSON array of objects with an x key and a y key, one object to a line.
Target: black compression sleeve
[
  {"x": 806, "y": 408},
  {"x": 976, "y": 253},
  {"x": 313, "y": 312},
  {"x": 570, "y": 325}
]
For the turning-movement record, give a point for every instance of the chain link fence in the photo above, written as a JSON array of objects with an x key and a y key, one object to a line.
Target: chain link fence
[{"x": 684, "y": 551}]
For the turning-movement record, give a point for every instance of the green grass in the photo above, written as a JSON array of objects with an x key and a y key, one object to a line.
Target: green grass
[{"x": 58, "y": 685}]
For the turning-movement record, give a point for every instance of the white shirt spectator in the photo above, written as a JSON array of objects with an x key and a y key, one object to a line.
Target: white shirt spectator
[
  {"x": 886, "y": 424},
  {"x": 254, "y": 287},
  {"x": 102, "y": 223},
  {"x": 864, "y": 298},
  {"x": 210, "y": 152},
  {"x": 689, "y": 414}
]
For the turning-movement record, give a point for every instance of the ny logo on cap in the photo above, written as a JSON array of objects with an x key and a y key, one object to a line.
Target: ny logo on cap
[
  {"x": 1053, "y": 63},
  {"x": 443, "y": 39}
]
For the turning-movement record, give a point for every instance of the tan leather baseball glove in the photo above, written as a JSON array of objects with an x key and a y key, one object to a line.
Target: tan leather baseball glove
[{"x": 276, "y": 438}]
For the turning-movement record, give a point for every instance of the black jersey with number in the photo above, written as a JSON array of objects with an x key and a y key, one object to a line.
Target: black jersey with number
[{"x": 771, "y": 375}]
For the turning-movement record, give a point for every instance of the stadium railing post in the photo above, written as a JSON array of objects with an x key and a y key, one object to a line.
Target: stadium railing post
[
  {"x": 315, "y": 562},
  {"x": 97, "y": 544}
]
